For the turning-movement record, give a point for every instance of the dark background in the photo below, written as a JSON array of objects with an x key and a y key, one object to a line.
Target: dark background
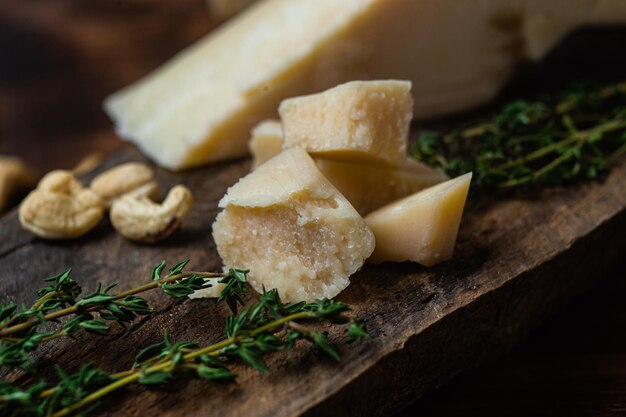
[{"x": 59, "y": 59}]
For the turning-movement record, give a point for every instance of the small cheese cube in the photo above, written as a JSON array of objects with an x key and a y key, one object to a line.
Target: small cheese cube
[
  {"x": 292, "y": 229},
  {"x": 266, "y": 141},
  {"x": 422, "y": 227},
  {"x": 358, "y": 120}
]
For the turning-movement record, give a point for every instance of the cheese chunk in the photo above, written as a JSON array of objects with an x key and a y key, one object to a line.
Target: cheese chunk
[
  {"x": 266, "y": 141},
  {"x": 292, "y": 229},
  {"x": 368, "y": 187},
  {"x": 200, "y": 106},
  {"x": 359, "y": 120},
  {"x": 423, "y": 227}
]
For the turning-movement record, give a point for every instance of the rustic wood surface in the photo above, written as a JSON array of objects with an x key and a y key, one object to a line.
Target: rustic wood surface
[
  {"x": 574, "y": 365},
  {"x": 518, "y": 261}
]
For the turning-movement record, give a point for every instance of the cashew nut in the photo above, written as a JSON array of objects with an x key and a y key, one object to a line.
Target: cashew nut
[
  {"x": 138, "y": 218},
  {"x": 14, "y": 176},
  {"x": 60, "y": 208},
  {"x": 123, "y": 179}
]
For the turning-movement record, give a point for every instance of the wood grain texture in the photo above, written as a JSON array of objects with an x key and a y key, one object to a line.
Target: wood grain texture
[
  {"x": 517, "y": 261},
  {"x": 573, "y": 365}
]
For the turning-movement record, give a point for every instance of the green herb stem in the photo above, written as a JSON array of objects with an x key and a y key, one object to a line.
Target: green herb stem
[
  {"x": 133, "y": 375},
  {"x": 78, "y": 308},
  {"x": 581, "y": 136},
  {"x": 155, "y": 284},
  {"x": 96, "y": 395},
  {"x": 556, "y": 139},
  {"x": 35, "y": 306}
]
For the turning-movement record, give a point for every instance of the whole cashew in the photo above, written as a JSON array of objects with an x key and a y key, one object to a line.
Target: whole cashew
[
  {"x": 14, "y": 176},
  {"x": 138, "y": 218},
  {"x": 123, "y": 179},
  {"x": 60, "y": 208}
]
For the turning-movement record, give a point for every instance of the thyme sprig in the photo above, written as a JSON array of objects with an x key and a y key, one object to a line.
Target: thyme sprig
[
  {"x": 261, "y": 328},
  {"x": 557, "y": 139},
  {"x": 21, "y": 329}
]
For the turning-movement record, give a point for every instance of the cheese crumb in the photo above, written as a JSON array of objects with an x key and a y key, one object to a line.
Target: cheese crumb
[{"x": 214, "y": 291}]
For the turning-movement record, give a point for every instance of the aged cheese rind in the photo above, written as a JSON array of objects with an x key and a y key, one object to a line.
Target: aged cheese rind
[
  {"x": 422, "y": 227},
  {"x": 358, "y": 120},
  {"x": 200, "y": 106},
  {"x": 266, "y": 141},
  {"x": 292, "y": 229}
]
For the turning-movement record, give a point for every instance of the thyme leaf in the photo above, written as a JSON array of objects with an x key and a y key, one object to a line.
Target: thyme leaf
[
  {"x": 555, "y": 140},
  {"x": 266, "y": 326}
]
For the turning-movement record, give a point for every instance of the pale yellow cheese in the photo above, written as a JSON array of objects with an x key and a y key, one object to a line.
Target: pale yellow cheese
[
  {"x": 358, "y": 120},
  {"x": 422, "y": 227},
  {"x": 368, "y": 187},
  {"x": 266, "y": 141},
  {"x": 200, "y": 106},
  {"x": 292, "y": 229}
]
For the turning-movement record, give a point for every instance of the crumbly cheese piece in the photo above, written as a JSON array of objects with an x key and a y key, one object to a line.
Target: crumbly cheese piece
[
  {"x": 292, "y": 229},
  {"x": 200, "y": 106},
  {"x": 423, "y": 227},
  {"x": 214, "y": 291},
  {"x": 358, "y": 120},
  {"x": 266, "y": 141},
  {"x": 368, "y": 187}
]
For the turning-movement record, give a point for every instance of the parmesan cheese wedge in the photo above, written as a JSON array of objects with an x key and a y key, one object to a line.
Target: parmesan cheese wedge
[
  {"x": 266, "y": 141},
  {"x": 200, "y": 106},
  {"x": 358, "y": 120},
  {"x": 292, "y": 229},
  {"x": 422, "y": 227}
]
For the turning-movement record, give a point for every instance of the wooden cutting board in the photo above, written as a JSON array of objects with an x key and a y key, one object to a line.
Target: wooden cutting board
[{"x": 518, "y": 260}]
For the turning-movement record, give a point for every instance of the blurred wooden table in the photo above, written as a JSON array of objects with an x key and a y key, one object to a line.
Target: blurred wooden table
[{"x": 59, "y": 59}]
